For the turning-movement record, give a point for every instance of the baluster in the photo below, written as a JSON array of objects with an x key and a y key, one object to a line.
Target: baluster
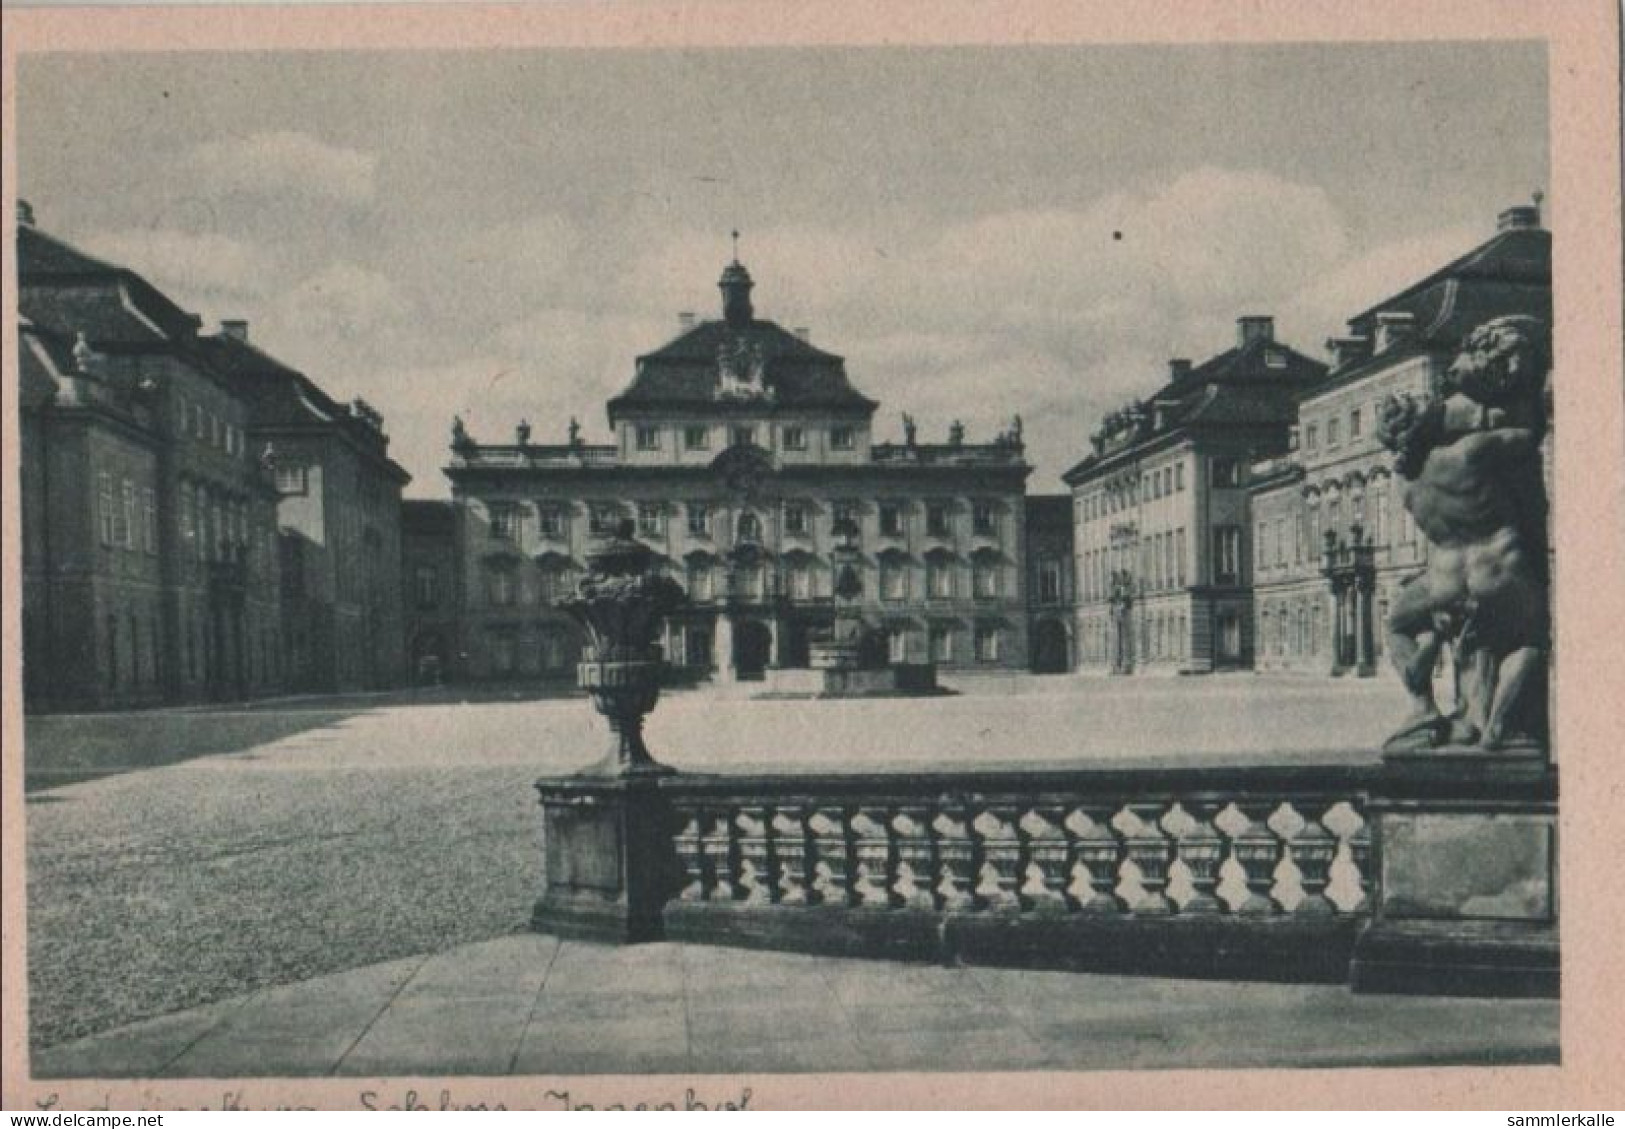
[
  {"x": 1100, "y": 851},
  {"x": 755, "y": 870},
  {"x": 872, "y": 846},
  {"x": 1202, "y": 851},
  {"x": 687, "y": 843},
  {"x": 1001, "y": 855},
  {"x": 1152, "y": 851},
  {"x": 789, "y": 829},
  {"x": 1360, "y": 856},
  {"x": 914, "y": 866},
  {"x": 832, "y": 882},
  {"x": 955, "y": 862},
  {"x": 1048, "y": 850},
  {"x": 717, "y": 845},
  {"x": 1257, "y": 851},
  {"x": 1313, "y": 849}
]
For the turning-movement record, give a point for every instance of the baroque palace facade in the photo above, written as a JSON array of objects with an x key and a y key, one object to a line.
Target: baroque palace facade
[
  {"x": 1164, "y": 560},
  {"x": 158, "y": 520},
  {"x": 739, "y": 450},
  {"x": 1335, "y": 541}
]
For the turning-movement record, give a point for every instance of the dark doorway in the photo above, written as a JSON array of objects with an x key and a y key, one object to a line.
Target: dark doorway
[
  {"x": 753, "y": 646},
  {"x": 1050, "y": 651},
  {"x": 794, "y": 650}
]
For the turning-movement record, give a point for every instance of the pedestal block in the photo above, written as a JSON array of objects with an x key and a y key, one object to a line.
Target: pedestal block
[
  {"x": 1467, "y": 893},
  {"x": 609, "y": 863}
]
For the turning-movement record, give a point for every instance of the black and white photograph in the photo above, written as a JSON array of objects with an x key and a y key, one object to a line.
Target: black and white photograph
[{"x": 724, "y": 561}]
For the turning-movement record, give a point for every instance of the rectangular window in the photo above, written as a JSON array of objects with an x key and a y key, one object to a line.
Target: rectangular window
[
  {"x": 1354, "y": 424},
  {"x": 985, "y": 580},
  {"x": 504, "y": 522},
  {"x": 1179, "y": 555},
  {"x": 841, "y": 438},
  {"x": 500, "y": 587},
  {"x": 936, "y": 519},
  {"x": 1260, "y": 544},
  {"x": 126, "y": 532},
  {"x": 699, "y": 519},
  {"x": 1179, "y": 476},
  {"x": 985, "y": 519},
  {"x": 1049, "y": 581},
  {"x": 648, "y": 437},
  {"x": 292, "y": 478},
  {"x": 1280, "y": 542},
  {"x": 1227, "y": 555},
  {"x": 795, "y": 518},
  {"x": 743, "y": 437},
  {"x": 891, "y": 519},
  {"x": 550, "y": 521},
  {"x": 427, "y": 586},
  {"x": 844, "y": 512},
  {"x": 651, "y": 519},
  {"x": 893, "y": 581},
  {"x": 897, "y": 644},
  {"x": 696, "y": 438},
  {"x": 149, "y": 520},
  {"x": 801, "y": 587},
  {"x": 795, "y": 439},
  {"x": 1331, "y": 432},
  {"x": 602, "y": 519},
  {"x": 699, "y": 581},
  {"x": 104, "y": 505},
  {"x": 942, "y": 643},
  {"x": 1311, "y": 437},
  {"x": 939, "y": 579},
  {"x": 987, "y": 643},
  {"x": 1226, "y": 473}
]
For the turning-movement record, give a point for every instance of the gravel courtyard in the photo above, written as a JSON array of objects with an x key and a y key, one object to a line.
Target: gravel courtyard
[{"x": 221, "y": 851}]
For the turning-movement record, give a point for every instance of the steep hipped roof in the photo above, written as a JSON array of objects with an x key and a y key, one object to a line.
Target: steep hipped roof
[
  {"x": 281, "y": 396},
  {"x": 1256, "y": 384},
  {"x": 686, "y": 372},
  {"x": 111, "y": 305}
]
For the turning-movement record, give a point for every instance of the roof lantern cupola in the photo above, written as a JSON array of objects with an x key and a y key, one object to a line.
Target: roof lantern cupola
[{"x": 736, "y": 285}]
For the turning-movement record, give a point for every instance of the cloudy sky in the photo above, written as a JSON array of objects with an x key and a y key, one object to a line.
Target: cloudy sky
[{"x": 979, "y": 231}]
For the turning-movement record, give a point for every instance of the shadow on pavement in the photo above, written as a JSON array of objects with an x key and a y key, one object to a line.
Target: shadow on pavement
[{"x": 62, "y": 750}]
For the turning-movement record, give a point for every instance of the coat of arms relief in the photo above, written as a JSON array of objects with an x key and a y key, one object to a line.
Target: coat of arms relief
[{"x": 739, "y": 370}]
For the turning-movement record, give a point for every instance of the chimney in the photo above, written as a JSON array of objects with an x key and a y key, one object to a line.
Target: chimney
[
  {"x": 1393, "y": 327},
  {"x": 1254, "y": 327},
  {"x": 802, "y": 332},
  {"x": 1348, "y": 350},
  {"x": 1521, "y": 217},
  {"x": 235, "y": 328},
  {"x": 1178, "y": 368},
  {"x": 25, "y": 214},
  {"x": 686, "y": 320}
]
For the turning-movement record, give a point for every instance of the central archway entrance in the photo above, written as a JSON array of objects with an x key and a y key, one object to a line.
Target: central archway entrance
[{"x": 753, "y": 646}]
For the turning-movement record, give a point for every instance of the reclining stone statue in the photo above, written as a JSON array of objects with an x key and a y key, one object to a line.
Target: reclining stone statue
[{"x": 1470, "y": 459}]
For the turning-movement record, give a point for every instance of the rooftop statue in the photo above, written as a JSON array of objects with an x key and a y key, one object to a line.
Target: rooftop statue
[{"x": 1470, "y": 460}]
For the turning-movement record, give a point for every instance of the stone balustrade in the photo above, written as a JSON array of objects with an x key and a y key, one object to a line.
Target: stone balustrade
[{"x": 1245, "y": 872}]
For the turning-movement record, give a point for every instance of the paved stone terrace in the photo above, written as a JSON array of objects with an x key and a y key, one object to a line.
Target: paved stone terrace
[{"x": 531, "y": 1005}]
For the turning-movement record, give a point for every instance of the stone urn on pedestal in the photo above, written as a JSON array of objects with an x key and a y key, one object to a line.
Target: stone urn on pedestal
[
  {"x": 621, "y": 603},
  {"x": 606, "y": 830}
]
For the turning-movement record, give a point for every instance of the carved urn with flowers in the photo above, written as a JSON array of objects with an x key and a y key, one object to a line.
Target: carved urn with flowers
[{"x": 621, "y": 602}]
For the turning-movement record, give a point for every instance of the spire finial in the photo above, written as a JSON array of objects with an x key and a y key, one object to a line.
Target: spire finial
[{"x": 736, "y": 244}]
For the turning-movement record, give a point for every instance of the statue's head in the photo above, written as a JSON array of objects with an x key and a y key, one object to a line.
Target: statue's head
[
  {"x": 1503, "y": 363},
  {"x": 1405, "y": 427}
]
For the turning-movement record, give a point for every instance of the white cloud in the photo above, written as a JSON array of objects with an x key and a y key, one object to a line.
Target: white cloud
[
  {"x": 345, "y": 300},
  {"x": 285, "y": 163}
]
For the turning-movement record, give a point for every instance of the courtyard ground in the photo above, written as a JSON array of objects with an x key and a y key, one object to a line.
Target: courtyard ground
[{"x": 222, "y": 851}]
